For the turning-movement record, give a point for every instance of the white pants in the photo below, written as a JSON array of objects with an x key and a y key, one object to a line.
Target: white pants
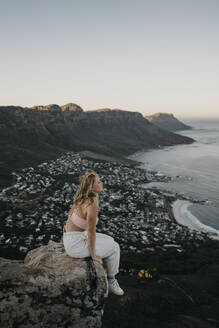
[{"x": 76, "y": 245}]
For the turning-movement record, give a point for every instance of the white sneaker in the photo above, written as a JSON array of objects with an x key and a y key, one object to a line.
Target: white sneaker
[{"x": 115, "y": 289}]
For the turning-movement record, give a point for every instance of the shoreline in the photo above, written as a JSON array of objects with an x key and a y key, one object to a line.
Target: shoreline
[
  {"x": 185, "y": 218},
  {"x": 180, "y": 206}
]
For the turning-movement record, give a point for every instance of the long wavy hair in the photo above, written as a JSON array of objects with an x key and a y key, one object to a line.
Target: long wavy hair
[{"x": 84, "y": 193}]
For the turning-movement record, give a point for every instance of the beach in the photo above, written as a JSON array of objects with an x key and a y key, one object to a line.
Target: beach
[{"x": 184, "y": 217}]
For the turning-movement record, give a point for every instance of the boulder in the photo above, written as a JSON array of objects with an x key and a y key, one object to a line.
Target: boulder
[{"x": 51, "y": 289}]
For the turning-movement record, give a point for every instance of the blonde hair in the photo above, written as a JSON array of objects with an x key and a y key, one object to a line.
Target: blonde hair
[{"x": 84, "y": 193}]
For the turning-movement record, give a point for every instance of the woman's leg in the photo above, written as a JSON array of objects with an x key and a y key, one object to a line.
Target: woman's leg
[{"x": 109, "y": 250}]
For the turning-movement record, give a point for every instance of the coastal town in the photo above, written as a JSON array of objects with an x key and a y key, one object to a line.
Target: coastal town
[{"x": 35, "y": 208}]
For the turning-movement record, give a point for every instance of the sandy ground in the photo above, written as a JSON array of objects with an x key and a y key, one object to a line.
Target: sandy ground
[{"x": 184, "y": 217}]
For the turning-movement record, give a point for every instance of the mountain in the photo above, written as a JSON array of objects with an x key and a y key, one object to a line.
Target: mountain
[
  {"x": 167, "y": 121},
  {"x": 29, "y": 136}
]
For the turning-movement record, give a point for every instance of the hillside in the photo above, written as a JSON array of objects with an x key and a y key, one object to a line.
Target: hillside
[{"x": 31, "y": 135}]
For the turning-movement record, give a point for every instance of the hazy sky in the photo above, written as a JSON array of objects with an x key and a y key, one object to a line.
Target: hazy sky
[{"x": 138, "y": 55}]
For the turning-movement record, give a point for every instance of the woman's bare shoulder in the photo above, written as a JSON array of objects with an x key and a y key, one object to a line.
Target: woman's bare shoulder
[{"x": 92, "y": 206}]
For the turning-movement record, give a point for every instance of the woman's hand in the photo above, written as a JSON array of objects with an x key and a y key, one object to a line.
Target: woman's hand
[{"x": 98, "y": 259}]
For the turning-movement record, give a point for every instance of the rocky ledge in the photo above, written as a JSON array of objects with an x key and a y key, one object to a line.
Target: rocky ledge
[{"x": 51, "y": 289}]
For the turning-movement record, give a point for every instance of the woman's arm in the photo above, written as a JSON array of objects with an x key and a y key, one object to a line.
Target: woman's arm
[{"x": 92, "y": 212}]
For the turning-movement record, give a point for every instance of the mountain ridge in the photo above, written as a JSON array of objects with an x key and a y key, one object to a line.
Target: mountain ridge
[{"x": 29, "y": 136}]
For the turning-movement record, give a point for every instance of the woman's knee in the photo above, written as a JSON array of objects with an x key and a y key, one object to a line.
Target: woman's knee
[{"x": 117, "y": 247}]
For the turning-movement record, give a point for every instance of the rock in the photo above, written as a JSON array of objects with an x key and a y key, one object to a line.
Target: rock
[
  {"x": 51, "y": 288},
  {"x": 52, "y": 107},
  {"x": 189, "y": 321}
]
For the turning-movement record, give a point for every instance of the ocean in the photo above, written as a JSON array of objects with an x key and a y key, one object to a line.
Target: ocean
[{"x": 193, "y": 168}]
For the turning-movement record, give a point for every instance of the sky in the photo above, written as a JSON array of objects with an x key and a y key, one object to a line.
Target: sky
[{"x": 145, "y": 56}]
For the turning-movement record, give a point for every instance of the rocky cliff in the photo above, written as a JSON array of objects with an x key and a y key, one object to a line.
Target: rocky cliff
[
  {"x": 51, "y": 289},
  {"x": 167, "y": 121},
  {"x": 32, "y": 135}
]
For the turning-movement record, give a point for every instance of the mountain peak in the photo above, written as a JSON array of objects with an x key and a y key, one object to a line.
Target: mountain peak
[{"x": 72, "y": 107}]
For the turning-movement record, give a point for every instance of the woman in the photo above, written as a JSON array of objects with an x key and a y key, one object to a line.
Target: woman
[{"x": 79, "y": 234}]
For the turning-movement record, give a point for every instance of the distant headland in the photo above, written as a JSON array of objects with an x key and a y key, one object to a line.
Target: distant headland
[{"x": 167, "y": 121}]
